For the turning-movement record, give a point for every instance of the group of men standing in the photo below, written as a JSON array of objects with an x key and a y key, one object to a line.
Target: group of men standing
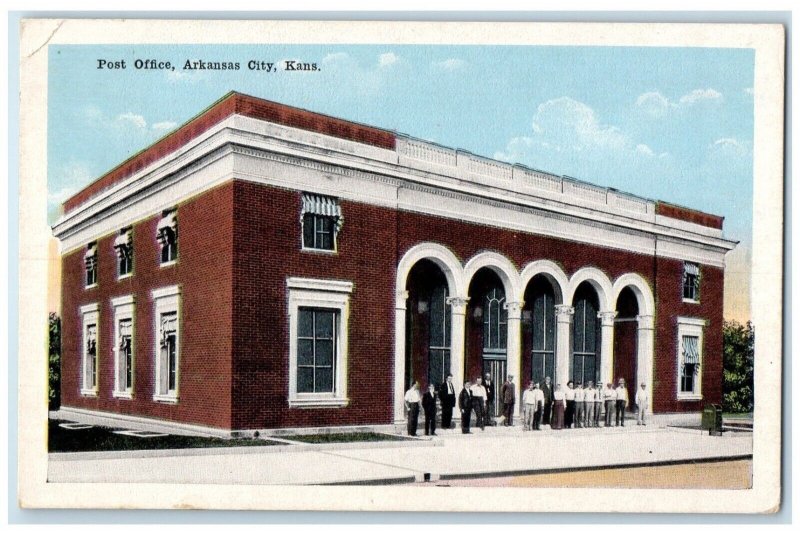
[{"x": 573, "y": 406}]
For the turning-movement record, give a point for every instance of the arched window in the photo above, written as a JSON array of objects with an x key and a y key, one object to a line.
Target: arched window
[
  {"x": 585, "y": 337},
  {"x": 544, "y": 336},
  {"x": 439, "y": 341},
  {"x": 495, "y": 319}
]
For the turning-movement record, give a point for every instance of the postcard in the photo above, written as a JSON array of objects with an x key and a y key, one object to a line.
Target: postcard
[{"x": 370, "y": 266}]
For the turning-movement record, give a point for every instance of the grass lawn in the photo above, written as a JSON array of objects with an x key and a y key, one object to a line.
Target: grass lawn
[
  {"x": 103, "y": 439},
  {"x": 345, "y": 437}
]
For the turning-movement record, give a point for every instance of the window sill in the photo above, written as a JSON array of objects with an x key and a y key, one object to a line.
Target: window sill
[
  {"x": 90, "y": 393},
  {"x": 167, "y": 264},
  {"x": 318, "y": 403},
  {"x": 690, "y": 397},
  {"x": 692, "y": 301},
  {"x": 320, "y": 251},
  {"x": 165, "y": 398},
  {"x": 91, "y": 286},
  {"x": 123, "y": 395},
  {"x": 125, "y": 276}
]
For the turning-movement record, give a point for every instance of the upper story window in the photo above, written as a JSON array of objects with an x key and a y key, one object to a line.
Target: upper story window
[
  {"x": 167, "y": 234},
  {"x": 321, "y": 219},
  {"x": 124, "y": 248},
  {"x": 90, "y": 264},
  {"x": 691, "y": 282}
]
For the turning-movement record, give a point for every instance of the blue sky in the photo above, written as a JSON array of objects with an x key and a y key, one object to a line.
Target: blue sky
[{"x": 674, "y": 124}]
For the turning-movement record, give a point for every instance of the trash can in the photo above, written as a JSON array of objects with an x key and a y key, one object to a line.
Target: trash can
[{"x": 712, "y": 419}]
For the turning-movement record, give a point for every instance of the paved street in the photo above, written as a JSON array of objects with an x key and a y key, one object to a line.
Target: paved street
[{"x": 494, "y": 452}]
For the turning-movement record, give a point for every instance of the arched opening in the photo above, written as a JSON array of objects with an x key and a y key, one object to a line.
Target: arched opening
[
  {"x": 428, "y": 328},
  {"x": 585, "y": 359},
  {"x": 539, "y": 331},
  {"x": 487, "y": 331},
  {"x": 625, "y": 338}
]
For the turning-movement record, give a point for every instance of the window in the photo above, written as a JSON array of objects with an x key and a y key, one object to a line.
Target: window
[
  {"x": 585, "y": 337},
  {"x": 439, "y": 336},
  {"x": 690, "y": 358},
  {"x": 318, "y": 313},
  {"x": 691, "y": 282},
  {"x": 167, "y": 234},
  {"x": 543, "y": 335},
  {"x": 90, "y": 263},
  {"x": 123, "y": 346},
  {"x": 90, "y": 314},
  {"x": 167, "y": 334},
  {"x": 495, "y": 321},
  {"x": 124, "y": 248},
  {"x": 321, "y": 219}
]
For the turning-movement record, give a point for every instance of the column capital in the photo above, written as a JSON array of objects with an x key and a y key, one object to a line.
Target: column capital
[
  {"x": 564, "y": 313},
  {"x": 607, "y": 317},
  {"x": 458, "y": 305},
  {"x": 514, "y": 309},
  {"x": 646, "y": 322},
  {"x": 400, "y": 300}
]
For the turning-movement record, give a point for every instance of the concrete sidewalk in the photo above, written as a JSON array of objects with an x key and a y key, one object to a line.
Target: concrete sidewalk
[{"x": 494, "y": 452}]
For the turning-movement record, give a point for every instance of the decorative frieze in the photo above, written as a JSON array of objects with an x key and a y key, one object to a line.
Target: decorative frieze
[{"x": 427, "y": 152}]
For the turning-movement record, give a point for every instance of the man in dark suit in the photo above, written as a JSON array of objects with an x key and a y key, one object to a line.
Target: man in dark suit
[
  {"x": 509, "y": 396},
  {"x": 429, "y": 406},
  {"x": 547, "y": 392},
  {"x": 489, "y": 415},
  {"x": 465, "y": 405},
  {"x": 447, "y": 397}
]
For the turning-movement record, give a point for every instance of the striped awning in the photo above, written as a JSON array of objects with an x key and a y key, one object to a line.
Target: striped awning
[
  {"x": 91, "y": 251},
  {"x": 691, "y": 269},
  {"x": 123, "y": 240},
  {"x": 125, "y": 328},
  {"x": 91, "y": 334},
  {"x": 168, "y": 221},
  {"x": 169, "y": 323},
  {"x": 691, "y": 350},
  {"x": 321, "y": 205}
]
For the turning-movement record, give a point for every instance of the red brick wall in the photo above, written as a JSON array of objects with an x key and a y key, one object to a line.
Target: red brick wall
[
  {"x": 669, "y": 306},
  {"x": 238, "y": 245},
  {"x": 204, "y": 272},
  {"x": 266, "y": 251}
]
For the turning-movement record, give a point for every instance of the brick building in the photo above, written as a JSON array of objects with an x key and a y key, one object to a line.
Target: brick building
[{"x": 268, "y": 267}]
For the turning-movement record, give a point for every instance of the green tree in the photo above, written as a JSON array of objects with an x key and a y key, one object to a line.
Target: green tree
[
  {"x": 737, "y": 383},
  {"x": 54, "y": 358}
]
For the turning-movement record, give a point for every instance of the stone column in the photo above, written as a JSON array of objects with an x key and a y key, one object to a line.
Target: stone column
[
  {"x": 400, "y": 356},
  {"x": 644, "y": 356},
  {"x": 514, "y": 346},
  {"x": 564, "y": 315},
  {"x": 458, "y": 311},
  {"x": 607, "y": 345}
]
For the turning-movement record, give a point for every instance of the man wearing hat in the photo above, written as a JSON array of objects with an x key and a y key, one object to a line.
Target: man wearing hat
[
  {"x": 641, "y": 404},
  {"x": 622, "y": 402}
]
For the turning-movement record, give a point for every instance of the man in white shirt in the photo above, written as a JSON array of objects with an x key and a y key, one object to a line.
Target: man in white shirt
[
  {"x": 538, "y": 398},
  {"x": 610, "y": 397},
  {"x": 479, "y": 402},
  {"x": 580, "y": 407},
  {"x": 569, "y": 397},
  {"x": 622, "y": 403},
  {"x": 528, "y": 407},
  {"x": 412, "y": 405},
  {"x": 590, "y": 397},
  {"x": 641, "y": 404}
]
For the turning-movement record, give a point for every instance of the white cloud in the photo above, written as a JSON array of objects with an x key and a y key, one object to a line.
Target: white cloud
[
  {"x": 451, "y": 64},
  {"x": 566, "y": 126},
  {"x": 335, "y": 57},
  {"x": 67, "y": 180},
  {"x": 654, "y": 103},
  {"x": 728, "y": 146},
  {"x": 388, "y": 59},
  {"x": 164, "y": 125},
  {"x": 135, "y": 119},
  {"x": 699, "y": 95}
]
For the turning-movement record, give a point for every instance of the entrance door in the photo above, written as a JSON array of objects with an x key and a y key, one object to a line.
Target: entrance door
[{"x": 496, "y": 369}]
